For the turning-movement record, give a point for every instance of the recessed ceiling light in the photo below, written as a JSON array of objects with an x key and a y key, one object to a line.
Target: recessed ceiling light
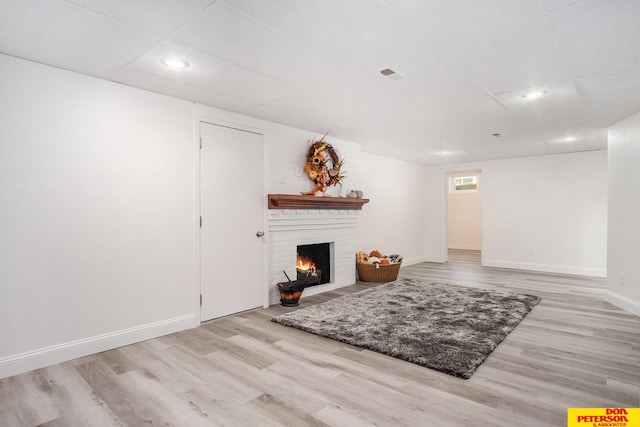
[
  {"x": 535, "y": 94},
  {"x": 568, "y": 139},
  {"x": 174, "y": 63},
  {"x": 443, "y": 153}
]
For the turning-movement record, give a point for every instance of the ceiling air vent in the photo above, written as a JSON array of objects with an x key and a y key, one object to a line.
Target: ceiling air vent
[{"x": 388, "y": 72}]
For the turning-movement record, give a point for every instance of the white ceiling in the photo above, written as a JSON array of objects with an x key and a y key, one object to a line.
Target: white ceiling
[{"x": 314, "y": 64}]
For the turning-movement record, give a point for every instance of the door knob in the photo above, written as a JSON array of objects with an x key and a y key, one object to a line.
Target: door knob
[{"x": 260, "y": 233}]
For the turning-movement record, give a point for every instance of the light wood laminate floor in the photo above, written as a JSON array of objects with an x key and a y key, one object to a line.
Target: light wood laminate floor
[{"x": 573, "y": 350}]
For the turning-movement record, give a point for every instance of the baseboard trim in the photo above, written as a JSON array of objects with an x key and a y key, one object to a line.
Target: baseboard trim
[
  {"x": 546, "y": 268},
  {"x": 46, "y": 356},
  {"x": 623, "y": 302}
]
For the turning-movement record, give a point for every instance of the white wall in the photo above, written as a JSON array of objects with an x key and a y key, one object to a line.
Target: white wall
[
  {"x": 395, "y": 219},
  {"x": 435, "y": 202},
  {"x": 97, "y": 217},
  {"x": 464, "y": 218},
  {"x": 546, "y": 213},
  {"x": 623, "y": 280}
]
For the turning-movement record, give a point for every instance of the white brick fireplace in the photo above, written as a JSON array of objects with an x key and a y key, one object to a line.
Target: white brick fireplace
[{"x": 289, "y": 228}]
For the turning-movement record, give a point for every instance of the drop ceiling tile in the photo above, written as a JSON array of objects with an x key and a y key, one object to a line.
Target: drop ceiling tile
[
  {"x": 359, "y": 32},
  {"x": 348, "y": 103},
  {"x": 520, "y": 57},
  {"x": 239, "y": 38},
  {"x": 599, "y": 35},
  {"x": 429, "y": 154},
  {"x": 557, "y": 114},
  {"x": 157, "y": 16},
  {"x": 214, "y": 74},
  {"x": 230, "y": 34},
  {"x": 586, "y": 140},
  {"x": 445, "y": 22},
  {"x": 320, "y": 107},
  {"x": 551, "y": 5},
  {"x": 424, "y": 130},
  {"x": 611, "y": 97},
  {"x": 428, "y": 79},
  {"x": 485, "y": 116},
  {"x": 556, "y": 137},
  {"x": 21, "y": 45},
  {"x": 297, "y": 119},
  {"x": 391, "y": 132},
  {"x": 75, "y": 28},
  {"x": 180, "y": 89},
  {"x": 490, "y": 151},
  {"x": 407, "y": 154}
]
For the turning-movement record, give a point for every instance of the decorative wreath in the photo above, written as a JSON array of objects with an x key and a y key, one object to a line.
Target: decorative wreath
[{"x": 323, "y": 166}]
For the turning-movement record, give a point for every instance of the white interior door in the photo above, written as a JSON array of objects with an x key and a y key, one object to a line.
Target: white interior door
[{"x": 232, "y": 205}]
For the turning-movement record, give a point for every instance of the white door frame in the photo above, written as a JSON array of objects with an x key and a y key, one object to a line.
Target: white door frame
[
  {"x": 199, "y": 119},
  {"x": 445, "y": 211}
]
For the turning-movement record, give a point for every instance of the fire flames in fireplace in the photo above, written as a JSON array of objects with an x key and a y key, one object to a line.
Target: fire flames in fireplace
[
  {"x": 306, "y": 269},
  {"x": 305, "y": 264}
]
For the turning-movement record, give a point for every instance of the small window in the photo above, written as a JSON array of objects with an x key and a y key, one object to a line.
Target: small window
[{"x": 460, "y": 184}]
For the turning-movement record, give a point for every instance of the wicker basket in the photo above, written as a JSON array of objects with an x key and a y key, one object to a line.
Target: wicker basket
[{"x": 377, "y": 272}]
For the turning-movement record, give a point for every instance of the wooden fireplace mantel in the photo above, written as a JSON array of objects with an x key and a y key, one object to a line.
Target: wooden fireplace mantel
[{"x": 294, "y": 201}]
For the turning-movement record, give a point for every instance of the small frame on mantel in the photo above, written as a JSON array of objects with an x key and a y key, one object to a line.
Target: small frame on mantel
[{"x": 294, "y": 201}]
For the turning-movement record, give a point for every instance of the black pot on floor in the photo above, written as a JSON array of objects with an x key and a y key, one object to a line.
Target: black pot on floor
[{"x": 290, "y": 292}]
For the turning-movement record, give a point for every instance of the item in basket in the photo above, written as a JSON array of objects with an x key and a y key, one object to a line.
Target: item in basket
[
  {"x": 362, "y": 257},
  {"x": 395, "y": 258},
  {"x": 376, "y": 257}
]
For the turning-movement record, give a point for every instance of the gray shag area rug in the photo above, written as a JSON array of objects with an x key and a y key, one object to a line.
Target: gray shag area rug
[{"x": 448, "y": 328}]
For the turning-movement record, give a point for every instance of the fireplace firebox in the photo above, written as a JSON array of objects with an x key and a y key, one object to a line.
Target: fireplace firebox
[{"x": 313, "y": 263}]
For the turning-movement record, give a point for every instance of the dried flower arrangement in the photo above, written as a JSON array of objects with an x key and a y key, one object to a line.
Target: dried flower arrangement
[{"x": 323, "y": 166}]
